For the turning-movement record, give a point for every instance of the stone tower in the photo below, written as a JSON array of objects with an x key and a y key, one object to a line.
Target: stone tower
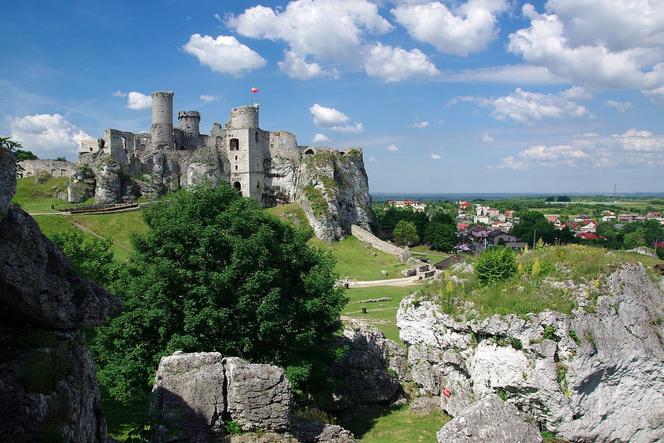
[
  {"x": 161, "y": 131},
  {"x": 246, "y": 145},
  {"x": 189, "y": 122}
]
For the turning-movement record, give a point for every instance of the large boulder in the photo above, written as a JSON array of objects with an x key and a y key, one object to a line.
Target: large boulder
[
  {"x": 594, "y": 375},
  {"x": 48, "y": 389},
  {"x": 188, "y": 397},
  {"x": 7, "y": 180},
  {"x": 258, "y": 395},
  {"x": 109, "y": 181},
  {"x": 489, "y": 420},
  {"x": 81, "y": 184},
  {"x": 317, "y": 432}
]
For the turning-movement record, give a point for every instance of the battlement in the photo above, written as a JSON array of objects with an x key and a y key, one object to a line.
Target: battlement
[
  {"x": 189, "y": 114},
  {"x": 165, "y": 94}
]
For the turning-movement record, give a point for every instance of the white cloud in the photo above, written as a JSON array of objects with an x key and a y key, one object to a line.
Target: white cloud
[
  {"x": 331, "y": 118},
  {"x": 138, "y": 101},
  {"x": 510, "y": 74},
  {"x": 420, "y": 124},
  {"x": 464, "y": 30},
  {"x": 599, "y": 43},
  {"x": 328, "y": 30},
  {"x": 373, "y": 159},
  {"x": 209, "y": 98},
  {"x": 527, "y": 107},
  {"x": 632, "y": 148},
  {"x": 621, "y": 107},
  {"x": 119, "y": 94},
  {"x": 435, "y": 156},
  {"x": 47, "y": 135},
  {"x": 576, "y": 93},
  {"x": 392, "y": 148},
  {"x": 393, "y": 64},
  {"x": 320, "y": 138},
  {"x": 295, "y": 66},
  {"x": 224, "y": 54},
  {"x": 486, "y": 138}
]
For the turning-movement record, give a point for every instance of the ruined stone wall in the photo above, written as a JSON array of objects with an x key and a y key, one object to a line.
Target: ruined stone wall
[
  {"x": 376, "y": 243},
  {"x": 56, "y": 168}
]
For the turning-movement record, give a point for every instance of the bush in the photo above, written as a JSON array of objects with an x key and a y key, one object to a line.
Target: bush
[
  {"x": 42, "y": 177},
  {"x": 216, "y": 272},
  {"x": 405, "y": 233},
  {"x": 441, "y": 236},
  {"x": 660, "y": 253},
  {"x": 496, "y": 264}
]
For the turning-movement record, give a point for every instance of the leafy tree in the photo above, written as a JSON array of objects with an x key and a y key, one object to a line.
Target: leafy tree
[
  {"x": 405, "y": 233},
  {"x": 61, "y": 159},
  {"x": 8, "y": 143},
  {"x": 442, "y": 217},
  {"x": 215, "y": 272},
  {"x": 441, "y": 236},
  {"x": 24, "y": 155},
  {"x": 420, "y": 220},
  {"x": 91, "y": 257},
  {"x": 495, "y": 264},
  {"x": 653, "y": 231},
  {"x": 660, "y": 252},
  {"x": 635, "y": 239},
  {"x": 389, "y": 219}
]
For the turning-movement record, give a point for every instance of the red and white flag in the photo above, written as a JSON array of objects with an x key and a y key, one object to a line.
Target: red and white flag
[{"x": 254, "y": 90}]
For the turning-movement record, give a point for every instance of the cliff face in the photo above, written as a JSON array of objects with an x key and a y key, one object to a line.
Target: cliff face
[
  {"x": 588, "y": 376},
  {"x": 49, "y": 390}
]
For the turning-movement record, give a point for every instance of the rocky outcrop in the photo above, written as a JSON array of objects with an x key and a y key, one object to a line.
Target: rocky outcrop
[
  {"x": 108, "y": 179},
  {"x": 317, "y": 432},
  {"x": 333, "y": 190},
  {"x": 371, "y": 370},
  {"x": 81, "y": 184},
  {"x": 48, "y": 389},
  {"x": 491, "y": 420},
  {"x": 594, "y": 375},
  {"x": 7, "y": 180}
]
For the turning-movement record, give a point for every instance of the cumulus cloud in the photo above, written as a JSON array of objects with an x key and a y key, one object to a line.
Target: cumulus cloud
[
  {"x": 486, "y": 138},
  {"x": 328, "y": 30},
  {"x": 621, "y": 107},
  {"x": 295, "y": 66},
  {"x": 138, "y": 101},
  {"x": 526, "y": 107},
  {"x": 393, "y": 64},
  {"x": 633, "y": 148},
  {"x": 47, "y": 135},
  {"x": 576, "y": 93},
  {"x": 510, "y": 74},
  {"x": 320, "y": 138},
  {"x": 209, "y": 98},
  {"x": 392, "y": 148},
  {"x": 600, "y": 43},
  {"x": 331, "y": 118},
  {"x": 224, "y": 54},
  {"x": 420, "y": 124},
  {"x": 435, "y": 156},
  {"x": 463, "y": 30}
]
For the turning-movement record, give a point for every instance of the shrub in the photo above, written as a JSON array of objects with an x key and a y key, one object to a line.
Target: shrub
[
  {"x": 496, "y": 264},
  {"x": 660, "y": 253},
  {"x": 42, "y": 177},
  {"x": 405, "y": 233}
]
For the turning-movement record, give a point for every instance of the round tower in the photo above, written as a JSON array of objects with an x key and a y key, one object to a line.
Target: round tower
[
  {"x": 189, "y": 122},
  {"x": 162, "y": 120},
  {"x": 244, "y": 117}
]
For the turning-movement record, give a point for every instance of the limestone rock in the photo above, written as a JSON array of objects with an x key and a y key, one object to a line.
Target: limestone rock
[
  {"x": 109, "y": 185},
  {"x": 491, "y": 420},
  {"x": 7, "y": 180},
  {"x": 188, "y": 397},
  {"x": 589, "y": 376},
  {"x": 317, "y": 432},
  {"x": 258, "y": 395},
  {"x": 81, "y": 184},
  {"x": 371, "y": 370}
]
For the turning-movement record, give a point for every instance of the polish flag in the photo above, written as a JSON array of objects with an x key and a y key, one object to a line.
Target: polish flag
[{"x": 254, "y": 90}]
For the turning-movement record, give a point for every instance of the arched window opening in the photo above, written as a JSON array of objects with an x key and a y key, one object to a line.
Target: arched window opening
[
  {"x": 234, "y": 144},
  {"x": 237, "y": 186},
  {"x": 309, "y": 152}
]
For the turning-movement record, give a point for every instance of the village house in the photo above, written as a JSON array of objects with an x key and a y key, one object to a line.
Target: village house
[
  {"x": 555, "y": 220},
  {"x": 414, "y": 205}
]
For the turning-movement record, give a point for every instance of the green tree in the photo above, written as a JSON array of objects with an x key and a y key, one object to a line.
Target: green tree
[
  {"x": 8, "y": 143},
  {"x": 24, "y": 155},
  {"x": 635, "y": 239},
  {"x": 216, "y": 272},
  {"x": 653, "y": 231},
  {"x": 405, "y": 233},
  {"x": 61, "y": 159},
  {"x": 495, "y": 264},
  {"x": 441, "y": 236},
  {"x": 91, "y": 257},
  {"x": 660, "y": 252}
]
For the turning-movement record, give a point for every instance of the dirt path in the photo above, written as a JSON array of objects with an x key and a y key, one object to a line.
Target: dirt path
[
  {"x": 405, "y": 281},
  {"x": 86, "y": 229}
]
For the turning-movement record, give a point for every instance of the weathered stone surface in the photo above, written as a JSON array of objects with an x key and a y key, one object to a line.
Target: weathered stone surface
[
  {"x": 7, "y": 180},
  {"x": 109, "y": 184},
  {"x": 489, "y": 420},
  {"x": 371, "y": 370},
  {"x": 376, "y": 243},
  {"x": 258, "y": 396},
  {"x": 48, "y": 390},
  {"x": 38, "y": 283},
  {"x": 188, "y": 397},
  {"x": 592, "y": 376},
  {"x": 317, "y": 432},
  {"x": 81, "y": 184}
]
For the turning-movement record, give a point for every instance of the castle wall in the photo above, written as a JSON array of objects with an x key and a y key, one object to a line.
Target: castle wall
[
  {"x": 244, "y": 117},
  {"x": 161, "y": 130},
  {"x": 57, "y": 168}
]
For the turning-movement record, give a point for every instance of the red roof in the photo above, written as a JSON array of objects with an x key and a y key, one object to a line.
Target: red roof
[{"x": 590, "y": 236}]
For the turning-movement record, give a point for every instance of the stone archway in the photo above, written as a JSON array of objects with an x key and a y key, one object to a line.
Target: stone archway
[
  {"x": 309, "y": 152},
  {"x": 234, "y": 144},
  {"x": 237, "y": 186}
]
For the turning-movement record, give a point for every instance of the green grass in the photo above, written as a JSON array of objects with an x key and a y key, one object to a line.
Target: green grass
[
  {"x": 360, "y": 262},
  {"x": 40, "y": 197},
  {"x": 525, "y": 293},
  {"x": 119, "y": 227},
  {"x": 121, "y": 419},
  {"x": 291, "y": 213},
  {"x": 52, "y": 224},
  {"x": 395, "y": 425},
  {"x": 423, "y": 251},
  {"x": 380, "y": 314}
]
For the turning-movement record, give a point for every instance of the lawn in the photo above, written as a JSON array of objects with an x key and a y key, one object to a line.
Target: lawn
[
  {"x": 51, "y": 224},
  {"x": 395, "y": 425},
  {"x": 380, "y": 314},
  {"x": 40, "y": 197},
  {"x": 119, "y": 227}
]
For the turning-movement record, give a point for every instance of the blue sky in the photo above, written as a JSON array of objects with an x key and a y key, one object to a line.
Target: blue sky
[{"x": 443, "y": 96}]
